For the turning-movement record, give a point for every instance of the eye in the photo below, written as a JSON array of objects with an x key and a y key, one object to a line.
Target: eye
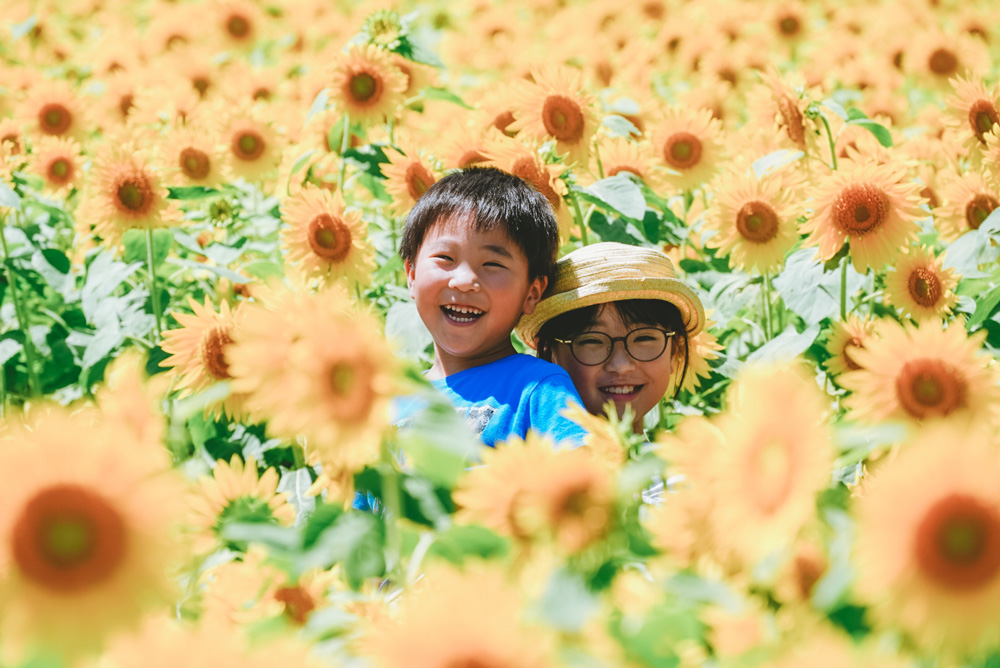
[
  {"x": 494, "y": 264},
  {"x": 589, "y": 341},
  {"x": 441, "y": 256}
]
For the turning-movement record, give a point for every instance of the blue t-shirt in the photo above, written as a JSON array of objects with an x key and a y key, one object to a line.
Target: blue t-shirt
[{"x": 508, "y": 397}]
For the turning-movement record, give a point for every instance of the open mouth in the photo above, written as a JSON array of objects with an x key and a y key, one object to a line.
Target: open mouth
[
  {"x": 624, "y": 391},
  {"x": 462, "y": 314}
]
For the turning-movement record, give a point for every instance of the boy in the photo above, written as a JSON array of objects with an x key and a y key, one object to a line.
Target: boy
[{"x": 478, "y": 248}]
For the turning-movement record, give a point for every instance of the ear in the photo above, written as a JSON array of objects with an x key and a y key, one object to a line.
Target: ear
[
  {"x": 411, "y": 274},
  {"x": 535, "y": 290}
]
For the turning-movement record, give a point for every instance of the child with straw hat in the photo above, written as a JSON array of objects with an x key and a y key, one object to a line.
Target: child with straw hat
[{"x": 610, "y": 293}]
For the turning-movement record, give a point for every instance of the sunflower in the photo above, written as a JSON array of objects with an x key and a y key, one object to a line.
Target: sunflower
[
  {"x": 844, "y": 337},
  {"x": 366, "y": 84},
  {"x": 569, "y": 498},
  {"x": 12, "y": 136},
  {"x": 133, "y": 401},
  {"x": 198, "y": 352},
  {"x": 869, "y": 205},
  {"x": 756, "y": 220},
  {"x": 601, "y": 438},
  {"x": 248, "y": 590},
  {"x": 417, "y": 76},
  {"x": 928, "y": 556},
  {"x": 325, "y": 241},
  {"x": 497, "y": 108},
  {"x": 462, "y": 146},
  {"x": 969, "y": 199},
  {"x": 87, "y": 530},
  {"x": 409, "y": 173},
  {"x": 313, "y": 368},
  {"x": 523, "y": 160},
  {"x": 936, "y": 57},
  {"x": 618, "y": 154},
  {"x": 120, "y": 89},
  {"x": 489, "y": 494},
  {"x": 126, "y": 193},
  {"x": 702, "y": 348},
  {"x": 235, "y": 492},
  {"x": 450, "y": 603},
  {"x": 690, "y": 144},
  {"x": 923, "y": 373},
  {"x": 777, "y": 457},
  {"x": 920, "y": 286},
  {"x": 783, "y": 104},
  {"x": 975, "y": 110},
  {"x": 556, "y": 106},
  {"x": 239, "y": 23},
  {"x": 54, "y": 109},
  {"x": 192, "y": 155},
  {"x": 59, "y": 162},
  {"x": 253, "y": 145},
  {"x": 991, "y": 153}
]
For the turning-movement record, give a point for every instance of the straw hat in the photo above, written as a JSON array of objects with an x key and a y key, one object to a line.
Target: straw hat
[{"x": 608, "y": 272}]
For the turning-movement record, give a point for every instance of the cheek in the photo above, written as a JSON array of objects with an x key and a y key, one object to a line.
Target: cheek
[{"x": 584, "y": 379}]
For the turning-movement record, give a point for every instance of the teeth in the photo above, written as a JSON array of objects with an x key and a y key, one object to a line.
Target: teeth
[
  {"x": 463, "y": 313},
  {"x": 465, "y": 309},
  {"x": 620, "y": 389}
]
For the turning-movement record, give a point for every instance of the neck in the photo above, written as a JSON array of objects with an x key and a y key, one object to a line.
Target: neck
[{"x": 448, "y": 365}]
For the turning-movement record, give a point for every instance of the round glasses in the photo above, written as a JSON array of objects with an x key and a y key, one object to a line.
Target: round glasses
[{"x": 644, "y": 344}]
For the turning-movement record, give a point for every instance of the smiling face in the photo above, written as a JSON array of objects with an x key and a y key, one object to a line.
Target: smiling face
[
  {"x": 470, "y": 287},
  {"x": 620, "y": 378}
]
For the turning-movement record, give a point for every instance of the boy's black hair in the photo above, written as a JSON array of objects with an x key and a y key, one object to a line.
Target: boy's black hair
[
  {"x": 490, "y": 199},
  {"x": 633, "y": 312}
]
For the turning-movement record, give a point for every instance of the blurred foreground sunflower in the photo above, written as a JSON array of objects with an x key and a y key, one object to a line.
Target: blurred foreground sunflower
[{"x": 844, "y": 337}]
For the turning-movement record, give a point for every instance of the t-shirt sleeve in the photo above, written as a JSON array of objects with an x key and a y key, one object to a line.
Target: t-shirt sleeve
[{"x": 547, "y": 401}]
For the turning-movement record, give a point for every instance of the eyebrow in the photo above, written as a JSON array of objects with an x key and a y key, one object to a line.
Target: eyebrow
[{"x": 499, "y": 250}]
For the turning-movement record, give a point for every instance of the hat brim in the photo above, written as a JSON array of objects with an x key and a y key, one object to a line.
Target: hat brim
[{"x": 669, "y": 290}]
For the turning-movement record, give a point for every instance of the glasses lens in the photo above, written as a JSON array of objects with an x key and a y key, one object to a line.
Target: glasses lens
[
  {"x": 646, "y": 344},
  {"x": 591, "y": 348}
]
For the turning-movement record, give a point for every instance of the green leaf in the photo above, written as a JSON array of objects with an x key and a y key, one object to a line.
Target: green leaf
[
  {"x": 19, "y": 30},
  {"x": 986, "y": 306},
  {"x": 404, "y": 327},
  {"x": 619, "y": 230},
  {"x": 437, "y": 442},
  {"x": 218, "y": 271},
  {"x": 192, "y": 192},
  {"x": 319, "y": 104},
  {"x": 619, "y": 126},
  {"x": 135, "y": 246},
  {"x": 295, "y": 484},
  {"x": 786, "y": 346},
  {"x": 353, "y": 540},
  {"x": 101, "y": 344},
  {"x": 835, "y": 107},
  {"x": 301, "y": 161},
  {"x": 854, "y": 114},
  {"x": 880, "y": 131},
  {"x": 810, "y": 292},
  {"x": 419, "y": 53},
  {"x": 8, "y": 349},
  {"x": 279, "y": 538},
  {"x": 57, "y": 259},
  {"x": 458, "y": 543},
  {"x": 263, "y": 269},
  {"x": 319, "y": 521},
  {"x": 435, "y": 93},
  {"x": 775, "y": 160},
  {"x": 8, "y": 197},
  {"x": 619, "y": 193},
  {"x": 567, "y": 604}
]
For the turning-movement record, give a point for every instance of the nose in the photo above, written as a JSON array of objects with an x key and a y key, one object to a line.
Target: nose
[
  {"x": 620, "y": 360},
  {"x": 464, "y": 278}
]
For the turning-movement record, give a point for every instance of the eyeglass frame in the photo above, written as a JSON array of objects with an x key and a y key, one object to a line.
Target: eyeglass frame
[{"x": 667, "y": 334}]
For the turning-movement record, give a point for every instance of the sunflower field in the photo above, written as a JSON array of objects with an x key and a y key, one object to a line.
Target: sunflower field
[{"x": 204, "y": 321}]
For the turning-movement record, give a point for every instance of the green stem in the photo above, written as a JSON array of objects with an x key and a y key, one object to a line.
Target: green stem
[
  {"x": 843, "y": 289},
  {"x": 345, "y": 141},
  {"x": 157, "y": 313},
  {"x": 768, "y": 329},
  {"x": 578, "y": 214},
  {"x": 393, "y": 508},
  {"x": 597, "y": 155},
  {"x": 22, "y": 320},
  {"x": 829, "y": 139}
]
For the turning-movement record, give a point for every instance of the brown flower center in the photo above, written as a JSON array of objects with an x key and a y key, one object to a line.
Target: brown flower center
[
  {"x": 329, "y": 237},
  {"x": 351, "y": 392},
  {"x": 682, "y": 150},
  {"x": 54, "y": 119},
  {"x": 924, "y": 287},
  {"x": 618, "y": 169},
  {"x": 983, "y": 114},
  {"x": 757, "y": 222},
  {"x": 503, "y": 120},
  {"x": 418, "y": 180},
  {"x": 930, "y": 387},
  {"x": 364, "y": 88},
  {"x": 860, "y": 208},
  {"x": 943, "y": 62},
  {"x": 68, "y": 538},
  {"x": 770, "y": 471},
  {"x": 957, "y": 543},
  {"x": 298, "y": 603},
  {"x": 789, "y": 26},
  {"x": 201, "y": 83},
  {"x": 527, "y": 169},
  {"x": 238, "y": 26},
  {"x": 133, "y": 192},
  {"x": 212, "y": 350},
  {"x": 195, "y": 163},
  {"x": 125, "y": 104},
  {"x": 60, "y": 171},
  {"x": 928, "y": 194},
  {"x": 563, "y": 118},
  {"x": 248, "y": 145},
  {"x": 978, "y": 209}
]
